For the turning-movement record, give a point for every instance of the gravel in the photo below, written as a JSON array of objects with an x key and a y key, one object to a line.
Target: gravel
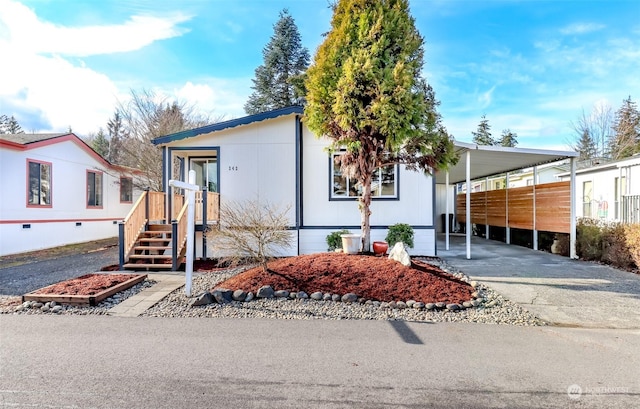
[{"x": 491, "y": 307}]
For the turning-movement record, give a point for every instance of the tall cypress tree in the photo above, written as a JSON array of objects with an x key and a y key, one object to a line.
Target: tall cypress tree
[
  {"x": 626, "y": 139},
  {"x": 366, "y": 94},
  {"x": 278, "y": 81}
]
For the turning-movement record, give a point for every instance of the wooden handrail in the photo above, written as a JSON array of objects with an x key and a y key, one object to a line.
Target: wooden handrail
[
  {"x": 132, "y": 225},
  {"x": 179, "y": 235}
]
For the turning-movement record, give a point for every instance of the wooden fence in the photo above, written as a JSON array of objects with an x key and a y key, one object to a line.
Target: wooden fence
[{"x": 545, "y": 207}]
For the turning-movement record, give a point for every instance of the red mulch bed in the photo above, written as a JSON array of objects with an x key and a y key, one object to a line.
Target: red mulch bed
[
  {"x": 88, "y": 284},
  {"x": 371, "y": 277}
]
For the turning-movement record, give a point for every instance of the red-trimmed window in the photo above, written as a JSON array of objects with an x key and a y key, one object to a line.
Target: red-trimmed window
[
  {"x": 38, "y": 183},
  {"x": 94, "y": 189},
  {"x": 126, "y": 190}
]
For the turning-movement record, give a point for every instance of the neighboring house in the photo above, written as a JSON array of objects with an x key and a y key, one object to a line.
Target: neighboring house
[
  {"x": 545, "y": 173},
  {"x": 56, "y": 190},
  {"x": 274, "y": 157},
  {"x": 609, "y": 191}
]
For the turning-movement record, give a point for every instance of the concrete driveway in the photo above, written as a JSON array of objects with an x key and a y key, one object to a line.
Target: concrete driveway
[{"x": 559, "y": 290}]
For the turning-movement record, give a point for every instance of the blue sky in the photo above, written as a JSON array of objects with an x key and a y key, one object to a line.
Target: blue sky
[{"x": 530, "y": 66}]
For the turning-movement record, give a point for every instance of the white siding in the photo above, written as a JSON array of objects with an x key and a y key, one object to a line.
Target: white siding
[{"x": 56, "y": 226}]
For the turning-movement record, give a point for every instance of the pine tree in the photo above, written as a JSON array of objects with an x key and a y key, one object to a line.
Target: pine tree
[
  {"x": 116, "y": 137},
  {"x": 366, "y": 94},
  {"x": 508, "y": 139},
  {"x": 586, "y": 147},
  {"x": 626, "y": 126},
  {"x": 100, "y": 143},
  {"x": 482, "y": 136},
  {"x": 278, "y": 81},
  {"x": 9, "y": 125}
]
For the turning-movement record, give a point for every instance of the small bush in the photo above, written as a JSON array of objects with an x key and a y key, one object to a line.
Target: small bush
[
  {"x": 632, "y": 238},
  {"x": 615, "y": 249},
  {"x": 400, "y": 232},
  {"x": 564, "y": 244},
  {"x": 589, "y": 239},
  {"x": 334, "y": 241}
]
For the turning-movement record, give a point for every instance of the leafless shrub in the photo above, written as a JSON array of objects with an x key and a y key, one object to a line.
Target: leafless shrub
[{"x": 251, "y": 231}]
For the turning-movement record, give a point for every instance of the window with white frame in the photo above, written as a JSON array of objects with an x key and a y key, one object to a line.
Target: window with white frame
[
  {"x": 126, "y": 190},
  {"x": 39, "y": 183},
  {"x": 383, "y": 183},
  {"x": 94, "y": 189}
]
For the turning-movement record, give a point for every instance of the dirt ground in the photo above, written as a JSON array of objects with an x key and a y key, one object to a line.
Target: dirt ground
[{"x": 15, "y": 260}]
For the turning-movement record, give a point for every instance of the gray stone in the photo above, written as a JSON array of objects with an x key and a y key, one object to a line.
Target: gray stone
[
  {"x": 475, "y": 303},
  {"x": 47, "y": 304},
  {"x": 474, "y": 284},
  {"x": 281, "y": 294},
  {"x": 302, "y": 295},
  {"x": 317, "y": 296},
  {"x": 349, "y": 297},
  {"x": 293, "y": 295},
  {"x": 249, "y": 297},
  {"x": 335, "y": 297},
  {"x": 239, "y": 295},
  {"x": 265, "y": 292},
  {"x": 326, "y": 297},
  {"x": 392, "y": 304},
  {"x": 377, "y": 303},
  {"x": 53, "y": 304},
  {"x": 453, "y": 307},
  {"x": 368, "y": 302},
  {"x": 37, "y": 305},
  {"x": 401, "y": 305},
  {"x": 430, "y": 306},
  {"x": 222, "y": 295},
  {"x": 26, "y": 304},
  {"x": 44, "y": 308},
  {"x": 467, "y": 304},
  {"x": 361, "y": 300},
  {"x": 384, "y": 305},
  {"x": 399, "y": 254},
  {"x": 56, "y": 308},
  {"x": 440, "y": 305},
  {"x": 19, "y": 308},
  {"x": 418, "y": 305},
  {"x": 410, "y": 303},
  {"x": 203, "y": 299}
]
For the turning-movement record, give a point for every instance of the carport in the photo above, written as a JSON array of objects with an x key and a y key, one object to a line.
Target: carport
[{"x": 480, "y": 161}]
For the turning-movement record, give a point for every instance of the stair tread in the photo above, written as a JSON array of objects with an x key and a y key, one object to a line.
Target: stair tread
[
  {"x": 158, "y": 256},
  {"x": 134, "y": 266}
]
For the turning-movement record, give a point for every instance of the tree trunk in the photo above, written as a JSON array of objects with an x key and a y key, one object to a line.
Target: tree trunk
[{"x": 365, "y": 213}]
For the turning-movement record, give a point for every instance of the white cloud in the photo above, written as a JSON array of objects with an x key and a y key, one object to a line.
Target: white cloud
[
  {"x": 50, "y": 92},
  {"x": 485, "y": 97},
  {"x": 216, "y": 97},
  {"x": 28, "y": 33},
  {"x": 581, "y": 28}
]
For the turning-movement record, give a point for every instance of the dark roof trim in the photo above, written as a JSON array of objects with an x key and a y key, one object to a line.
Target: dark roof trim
[{"x": 246, "y": 120}]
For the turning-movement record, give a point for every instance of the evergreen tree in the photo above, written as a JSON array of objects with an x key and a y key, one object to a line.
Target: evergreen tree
[
  {"x": 482, "y": 136},
  {"x": 278, "y": 82},
  {"x": 626, "y": 126},
  {"x": 100, "y": 144},
  {"x": 117, "y": 135},
  {"x": 508, "y": 139},
  {"x": 586, "y": 147},
  {"x": 366, "y": 94},
  {"x": 9, "y": 125}
]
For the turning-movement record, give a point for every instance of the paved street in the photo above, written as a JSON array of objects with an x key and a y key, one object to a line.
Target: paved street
[{"x": 110, "y": 362}]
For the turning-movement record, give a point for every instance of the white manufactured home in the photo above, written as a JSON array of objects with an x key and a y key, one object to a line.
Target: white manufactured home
[
  {"x": 274, "y": 157},
  {"x": 609, "y": 191},
  {"x": 56, "y": 190}
]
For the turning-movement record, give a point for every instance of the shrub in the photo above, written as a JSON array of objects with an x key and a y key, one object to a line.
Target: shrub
[
  {"x": 632, "y": 238},
  {"x": 564, "y": 244},
  {"x": 400, "y": 232},
  {"x": 334, "y": 241},
  {"x": 589, "y": 239},
  {"x": 615, "y": 249}
]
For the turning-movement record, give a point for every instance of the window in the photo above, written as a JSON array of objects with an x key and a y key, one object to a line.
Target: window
[
  {"x": 383, "y": 183},
  {"x": 39, "y": 183},
  {"x": 620, "y": 186},
  {"x": 206, "y": 173},
  {"x": 587, "y": 197},
  {"x": 94, "y": 189},
  {"x": 126, "y": 190}
]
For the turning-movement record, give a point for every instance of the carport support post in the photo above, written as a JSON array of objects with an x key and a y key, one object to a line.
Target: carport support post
[
  {"x": 572, "y": 222},
  {"x": 535, "y": 229},
  {"x": 446, "y": 211},
  {"x": 468, "y": 206},
  {"x": 507, "y": 229},
  {"x": 486, "y": 226}
]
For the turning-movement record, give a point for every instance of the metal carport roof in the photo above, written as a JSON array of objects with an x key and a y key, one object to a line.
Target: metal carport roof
[{"x": 480, "y": 161}]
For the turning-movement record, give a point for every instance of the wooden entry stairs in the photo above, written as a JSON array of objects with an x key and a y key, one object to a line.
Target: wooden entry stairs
[{"x": 148, "y": 242}]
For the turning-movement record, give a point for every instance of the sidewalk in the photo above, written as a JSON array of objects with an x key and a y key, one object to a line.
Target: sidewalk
[
  {"x": 147, "y": 298},
  {"x": 557, "y": 289}
]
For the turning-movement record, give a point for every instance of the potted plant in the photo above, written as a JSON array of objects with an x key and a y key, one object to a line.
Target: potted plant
[
  {"x": 400, "y": 232},
  {"x": 380, "y": 248},
  {"x": 350, "y": 243},
  {"x": 334, "y": 241}
]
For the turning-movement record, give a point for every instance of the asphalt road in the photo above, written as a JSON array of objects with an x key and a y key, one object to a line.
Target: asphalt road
[
  {"x": 19, "y": 280},
  {"x": 108, "y": 362}
]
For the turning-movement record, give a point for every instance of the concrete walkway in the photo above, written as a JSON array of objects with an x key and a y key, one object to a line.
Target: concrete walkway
[
  {"x": 147, "y": 298},
  {"x": 557, "y": 289}
]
